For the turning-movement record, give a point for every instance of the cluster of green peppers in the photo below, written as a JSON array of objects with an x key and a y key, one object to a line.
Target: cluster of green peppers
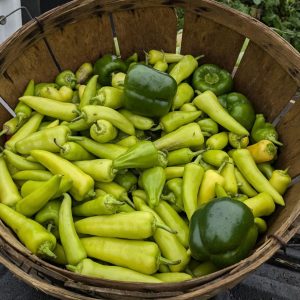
[{"x": 122, "y": 163}]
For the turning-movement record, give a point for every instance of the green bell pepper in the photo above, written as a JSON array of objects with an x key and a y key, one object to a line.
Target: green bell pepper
[
  {"x": 239, "y": 107},
  {"x": 148, "y": 92},
  {"x": 222, "y": 231},
  {"x": 213, "y": 78},
  {"x": 106, "y": 65}
]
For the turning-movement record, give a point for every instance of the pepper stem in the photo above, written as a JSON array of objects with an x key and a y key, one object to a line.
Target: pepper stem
[
  {"x": 71, "y": 268},
  {"x": 162, "y": 159},
  {"x": 128, "y": 201},
  {"x": 49, "y": 227},
  {"x": 275, "y": 142},
  {"x": 165, "y": 261},
  {"x": 58, "y": 145},
  {"x": 146, "y": 58},
  {"x": 81, "y": 116},
  {"x": 197, "y": 153},
  {"x": 206, "y": 133},
  {"x": 223, "y": 164},
  {"x": 44, "y": 250},
  {"x": 165, "y": 227},
  {"x": 112, "y": 201},
  {"x": 199, "y": 56},
  {"x": 99, "y": 99},
  {"x": 158, "y": 127},
  {"x": 198, "y": 159},
  {"x": 285, "y": 171},
  {"x": 100, "y": 128},
  {"x": 91, "y": 194},
  {"x": 170, "y": 197},
  {"x": 4, "y": 131},
  {"x": 20, "y": 118},
  {"x": 75, "y": 138}
]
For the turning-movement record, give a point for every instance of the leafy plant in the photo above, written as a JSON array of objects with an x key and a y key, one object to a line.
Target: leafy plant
[{"x": 283, "y": 16}]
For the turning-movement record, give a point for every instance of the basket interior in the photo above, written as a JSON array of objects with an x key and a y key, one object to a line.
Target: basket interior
[{"x": 80, "y": 31}]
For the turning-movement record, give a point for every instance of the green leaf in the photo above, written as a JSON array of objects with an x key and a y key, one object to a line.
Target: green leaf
[{"x": 257, "y": 2}]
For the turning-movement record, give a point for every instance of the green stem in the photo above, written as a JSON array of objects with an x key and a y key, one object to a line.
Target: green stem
[
  {"x": 222, "y": 166},
  {"x": 162, "y": 159},
  {"x": 71, "y": 268},
  {"x": 4, "y": 131},
  {"x": 200, "y": 56},
  {"x": 128, "y": 201},
  {"x": 44, "y": 250},
  {"x": 81, "y": 116},
  {"x": 113, "y": 201},
  {"x": 158, "y": 127},
  {"x": 59, "y": 146},
  {"x": 165, "y": 227},
  {"x": 197, "y": 153},
  {"x": 198, "y": 159},
  {"x": 275, "y": 142},
  {"x": 206, "y": 133},
  {"x": 165, "y": 261},
  {"x": 170, "y": 197},
  {"x": 75, "y": 138}
]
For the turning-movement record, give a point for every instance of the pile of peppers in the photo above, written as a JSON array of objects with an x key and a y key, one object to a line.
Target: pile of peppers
[{"x": 157, "y": 168}]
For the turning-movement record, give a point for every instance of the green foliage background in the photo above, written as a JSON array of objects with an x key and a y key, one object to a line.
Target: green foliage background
[{"x": 283, "y": 16}]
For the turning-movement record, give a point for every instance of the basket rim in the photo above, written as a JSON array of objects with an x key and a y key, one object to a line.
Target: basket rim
[
  {"x": 191, "y": 5},
  {"x": 201, "y": 290}
]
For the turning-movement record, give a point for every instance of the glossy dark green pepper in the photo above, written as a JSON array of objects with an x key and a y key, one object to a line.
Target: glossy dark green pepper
[
  {"x": 148, "y": 92},
  {"x": 213, "y": 78},
  {"x": 239, "y": 107},
  {"x": 222, "y": 231},
  {"x": 106, "y": 65}
]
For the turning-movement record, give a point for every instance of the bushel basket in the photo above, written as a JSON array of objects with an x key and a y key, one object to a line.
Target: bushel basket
[{"x": 83, "y": 31}]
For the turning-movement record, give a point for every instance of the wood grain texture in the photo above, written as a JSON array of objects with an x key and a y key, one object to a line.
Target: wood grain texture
[
  {"x": 267, "y": 85},
  {"x": 288, "y": 130},
  {"x": 4, "y": 116},
  {"x": 82, "y": 41},
  {"x": 284, "y": 217},
  {"x": 35, "y": 63},
  {"x": 141, "y": 30},
  {"x": 218, "y": 43},
  {"x": 142, "y": 25}
]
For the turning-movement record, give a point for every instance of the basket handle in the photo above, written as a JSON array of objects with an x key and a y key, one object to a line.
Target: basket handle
[{"x": 3, "y": 19}]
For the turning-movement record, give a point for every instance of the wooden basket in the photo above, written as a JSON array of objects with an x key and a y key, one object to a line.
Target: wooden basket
[{"x": 80, "y": 31}]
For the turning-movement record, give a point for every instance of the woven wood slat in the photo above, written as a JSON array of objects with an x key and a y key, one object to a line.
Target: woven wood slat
[
  {"x": 288, "y": 130},
  {"x": 144, "y": 25},
  {"x": 149, "y": 28},
  {"x": 82, "y": 41},
  {"x": 264, "y": 82},
  {"x": 284, "y": 217},
  {"x": 218, "y": 43},
  {"x": 4, "y": 116},
  {"x": 35, "y": 63}
]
